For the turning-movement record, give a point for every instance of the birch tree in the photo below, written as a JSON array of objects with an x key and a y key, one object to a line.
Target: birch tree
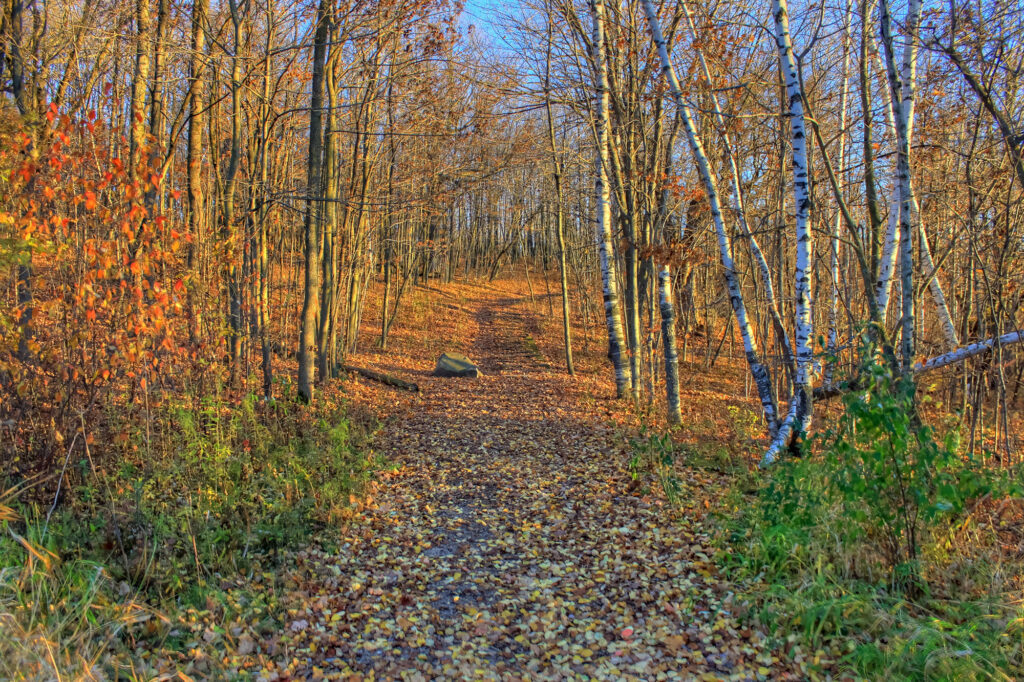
[
  {"x": 801, "y": 408},
  {"x": 617, "y": 352},
  {"x": 757, "y": 368},
  {"x": 903, "y": 91}
]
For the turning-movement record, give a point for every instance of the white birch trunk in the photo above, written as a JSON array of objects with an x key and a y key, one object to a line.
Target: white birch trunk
[
  {"x": 952, "y": 357},
  {"x": 781, "y": 439},
  {"x": 757, "y": 369},
  {"x": 902, "y": 88},
  {"x": 612, "y": 309},
  {"x": 887, "y": 264},
  {"x": 804, "y": 240},
  {"x": 890, "y": 249},
  {"x": 892, "y": 112},
  {"x": 741, "y": 211},
  {"x": 668, "y": 332},
  {"x": 969, "y": 351},
  {"x": 938, "y": 295},
  {"x": 833, "y": 301}
]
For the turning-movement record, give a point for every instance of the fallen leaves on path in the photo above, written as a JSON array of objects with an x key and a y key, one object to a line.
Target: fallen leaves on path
[{"x": 509, "y": 545}]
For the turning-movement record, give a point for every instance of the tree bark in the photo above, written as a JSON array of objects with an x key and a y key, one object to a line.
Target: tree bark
[
  {"x": 140, "y": 81},
  {"x": 311, "y": 240},
  {"x": 903, "y": 92},
  {"x": 668, "y": 333},
  {"x": 804, "y": 327},
  {"x": 559, "y": 226},
  {"x": 612, "y": 307},
  {"x": 762, "y": 378}
]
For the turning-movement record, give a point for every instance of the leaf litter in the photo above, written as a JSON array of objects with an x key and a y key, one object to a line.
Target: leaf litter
[{"x": 508, "y": 543}]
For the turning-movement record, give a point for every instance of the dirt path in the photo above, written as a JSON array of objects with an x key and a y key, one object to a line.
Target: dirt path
[{"x": 508, "y": 546}]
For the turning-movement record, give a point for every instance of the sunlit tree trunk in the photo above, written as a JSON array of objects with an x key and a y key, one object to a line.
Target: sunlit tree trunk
[
  {"x": 329, "y": 264},
  {"x": 832, "y": 344},
  {"x": 892, "y": 248},
  {"x": 903, "y": 91},
  {"x": 559, "y": 226},
  {"x": 668, "y": 333},
  {"x": 739, "y": 208},
  {"x": 311, "y": 239},
  {"x": 874, "y": 226},
  {"x": 227, "y": 213},
  {"x": 140, "y": 82},
  {"x": 21, "y": 89},
  {"x": 613, "y": 313},
  {"x": 889, "y": 255},
  {"x": 804, "y": 329},
  {"x": 263, "y": 238},
  {"x": 762, "y": 379},
  {"x": 156, "y": 112},
  {"x": 194, "y": 172}
]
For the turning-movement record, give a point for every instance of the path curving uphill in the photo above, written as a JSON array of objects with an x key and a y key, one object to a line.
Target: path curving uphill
[{"x": 509, "y": 547}]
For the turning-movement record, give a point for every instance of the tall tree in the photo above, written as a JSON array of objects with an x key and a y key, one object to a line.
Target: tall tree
[
  {"x": 613, "y": 313},
  {"x": 556, "y": 174},
  {"x": 314, "y": 193}
]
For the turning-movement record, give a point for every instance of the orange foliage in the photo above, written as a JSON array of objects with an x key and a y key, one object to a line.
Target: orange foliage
[{"x": 100, "y": 263}]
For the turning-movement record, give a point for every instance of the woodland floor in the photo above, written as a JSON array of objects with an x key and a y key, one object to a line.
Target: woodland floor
[{"x": 508, "y": 542}]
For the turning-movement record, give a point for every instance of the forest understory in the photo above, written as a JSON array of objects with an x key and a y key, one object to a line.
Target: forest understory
[{"x": 520, "y": 525}]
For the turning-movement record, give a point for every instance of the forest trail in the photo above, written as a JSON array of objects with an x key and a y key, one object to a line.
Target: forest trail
[{"x": 509, "y": 546}]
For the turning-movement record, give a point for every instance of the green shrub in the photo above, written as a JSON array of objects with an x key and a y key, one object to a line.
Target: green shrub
[
  {"x": 846, "y": 550},
  {"x": 896, "y": 482},
  {"x": 206, "y": 488},
  {"x": 231, "y": 483},
  {"x": 196, "y": 502}
]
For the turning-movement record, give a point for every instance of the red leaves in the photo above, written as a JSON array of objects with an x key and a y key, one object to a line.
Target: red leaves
[{"x": 90, "y": 200}]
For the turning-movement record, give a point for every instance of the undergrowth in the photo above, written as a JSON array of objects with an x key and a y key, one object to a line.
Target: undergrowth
[
  {"x": 873, "y": 556},
  {"x": 154, "y": 549}
]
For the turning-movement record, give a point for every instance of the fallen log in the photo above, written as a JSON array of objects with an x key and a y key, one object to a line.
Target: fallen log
[
  {"x": 379, "y": 377},
  {"x": 824, "y": 393},
  {"x": 937, "y": 362},
  {"x": 968, "y": 351}
]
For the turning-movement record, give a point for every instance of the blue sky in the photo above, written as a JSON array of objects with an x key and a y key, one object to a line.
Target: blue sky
[{"x": 480, "y": 12}]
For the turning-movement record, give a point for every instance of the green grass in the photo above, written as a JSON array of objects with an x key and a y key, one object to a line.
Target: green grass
[
  {"x": 817, "y": 583},
  {"x": 875, "y": 555},
  {"x": 177, "y": 543},
  {"x": 58, "y": 618}
]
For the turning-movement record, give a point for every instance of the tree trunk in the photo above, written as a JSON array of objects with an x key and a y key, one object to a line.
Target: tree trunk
[
  {"x": 559, "y": 225},
  {"x": 227, "y": 212},
  {"x": 329, "y": 266},
  {"x": 140, "y": 82},
  {"x": 311, "y": 242},
  {"x": 802, "y": 384},
  {"x": 613, "y": 314},
  {"x": 668, "y": 332},
  {"x": 903, "y": 92},
  {"x": 194, "y": 174},
  {"x": 760, "y": 373}
]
